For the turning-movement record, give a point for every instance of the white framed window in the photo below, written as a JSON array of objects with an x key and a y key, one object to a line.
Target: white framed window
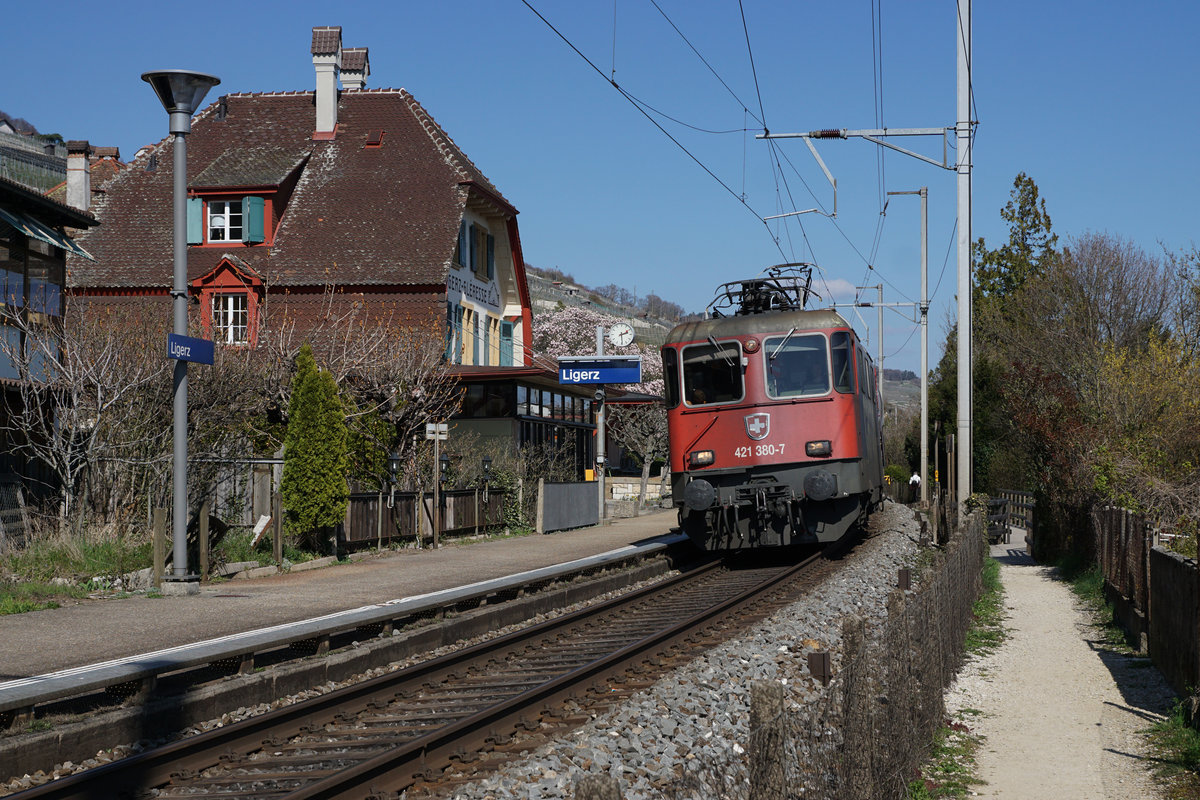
[
  {"x": 224, "y": 220},
  {"x": 231, "y": 318}
]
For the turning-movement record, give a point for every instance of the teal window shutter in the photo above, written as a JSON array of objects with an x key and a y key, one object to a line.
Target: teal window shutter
[
  {"x": 195, "y": 220},
  {"x": 491, "y": 256},
  {"x": 506, "y": 343},
  {"x": 253, "y": 224},
  {"x": 471, "y": 246},
  {"x": 458, "y": 334},
  {"x": 487, "y": 342},
  {"x": 461, "y": 255}
]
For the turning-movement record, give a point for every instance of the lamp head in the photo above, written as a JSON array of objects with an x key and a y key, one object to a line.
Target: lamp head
[{"x": 180, "y": 91}]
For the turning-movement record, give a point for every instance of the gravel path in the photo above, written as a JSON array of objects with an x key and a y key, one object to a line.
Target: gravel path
[{"x": 1061, "y": 718}]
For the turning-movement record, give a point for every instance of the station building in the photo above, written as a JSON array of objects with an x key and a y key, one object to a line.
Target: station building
[{"x": 292, "y": 194}]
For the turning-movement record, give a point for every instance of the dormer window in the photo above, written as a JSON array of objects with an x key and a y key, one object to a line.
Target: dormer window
[
  {"x": 230, "y": 298},
  {"x": 225, "y": 221},
  {"x": 231, "y": 318},
  {"x": 218, "y": 220}
]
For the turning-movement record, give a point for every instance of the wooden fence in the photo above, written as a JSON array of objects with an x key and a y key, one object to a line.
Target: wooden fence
[
  {"x": 1153, "y": 593},
  {"x": 379, "y": 518}
]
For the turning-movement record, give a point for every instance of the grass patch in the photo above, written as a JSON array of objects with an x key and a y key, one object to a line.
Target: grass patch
[
  {"x": 53, "y": 570},
  {"x": 76, "y": 560},
  {"x": 950, "y": 770},
  {"x": 1177, "y": 749},
  {"x": 235, "y": 547},
  {"x": 987, "y": 629},
  {"x": 19, "y": 598},
  {"x": 1087, "y": 582}
]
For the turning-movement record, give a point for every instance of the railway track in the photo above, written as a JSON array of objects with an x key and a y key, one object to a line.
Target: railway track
[{"x": 403, "y": 730}]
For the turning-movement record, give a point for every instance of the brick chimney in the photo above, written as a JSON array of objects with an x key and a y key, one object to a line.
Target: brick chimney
[
  {"x": 79, "y": 175},
  {"x": 327, "y": 60},
  {"x": 355, "y": 68}
]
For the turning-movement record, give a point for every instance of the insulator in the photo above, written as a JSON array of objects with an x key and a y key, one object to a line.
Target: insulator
[{"x": 826, "y": 133}]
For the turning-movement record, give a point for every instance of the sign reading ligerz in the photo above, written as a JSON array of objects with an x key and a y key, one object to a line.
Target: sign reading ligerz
[
  {"x": 600, "y": 369},
  {"x": 188, "y": 348}
]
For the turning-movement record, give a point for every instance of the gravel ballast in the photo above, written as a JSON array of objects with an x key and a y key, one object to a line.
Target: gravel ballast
[{"x": 693, "y": 722}]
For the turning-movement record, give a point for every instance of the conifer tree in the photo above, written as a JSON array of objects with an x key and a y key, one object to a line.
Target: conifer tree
[{"x": 315, "y": 461}]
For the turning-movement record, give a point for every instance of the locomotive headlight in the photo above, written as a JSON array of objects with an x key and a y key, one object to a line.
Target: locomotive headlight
[
  {"x": 750, "y": 345},
  {"x": 700, "y": 458},
  {"x": 818, "y": 449}
]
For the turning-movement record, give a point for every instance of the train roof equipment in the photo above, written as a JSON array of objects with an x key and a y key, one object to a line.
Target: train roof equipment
[{"x": 782, "y": 287}]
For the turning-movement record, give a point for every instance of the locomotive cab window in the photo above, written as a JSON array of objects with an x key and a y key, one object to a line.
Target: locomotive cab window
[
  {"x": 797, "y": 365},
  {"x": 712, "y": 373},
  {"x": 843, "y": 362},
  {"x": 670, "y": 361}
]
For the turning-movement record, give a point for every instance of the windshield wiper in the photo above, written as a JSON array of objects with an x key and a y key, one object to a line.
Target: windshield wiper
[
  {"x": 781, "y": 344},
  {"x": 722, "y": 352}
]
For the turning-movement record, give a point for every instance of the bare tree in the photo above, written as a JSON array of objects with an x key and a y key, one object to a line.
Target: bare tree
[
  {"x": 642, "y": 430},
  {"x": 391, "y": 367},
  {"x": 1103, "y": 290},
  {"x": 88, "y": 396}
]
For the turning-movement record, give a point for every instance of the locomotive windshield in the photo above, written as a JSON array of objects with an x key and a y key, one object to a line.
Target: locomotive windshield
[
  {"x": 712, "y": 373},
  {"x": 797, "y": 365}
]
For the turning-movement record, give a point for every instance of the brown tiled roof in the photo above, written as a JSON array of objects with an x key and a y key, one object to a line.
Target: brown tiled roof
[
  {"x": 326, "y": 39},
  {"x": 354, "y": 59},
  {"x": 47, "y": 209},
  {"x": 103, "y": 170},
  {"x": 376, "y": 216},
  {"x": 246, "y": 164}
]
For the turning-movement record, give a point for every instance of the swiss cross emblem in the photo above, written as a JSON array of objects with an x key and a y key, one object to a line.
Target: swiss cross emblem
[{"x": 758, "y": 426}]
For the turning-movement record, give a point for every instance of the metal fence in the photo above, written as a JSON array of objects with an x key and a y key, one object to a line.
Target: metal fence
[
  {"x": 871, "y": 731},
  {"x": 562, "y": 506},
  {"x": 14, "y": 520},
  {"x": 30, "y": 165}
]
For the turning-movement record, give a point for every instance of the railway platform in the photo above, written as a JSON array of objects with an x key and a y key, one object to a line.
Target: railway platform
[{"x": 95, "y": 631}]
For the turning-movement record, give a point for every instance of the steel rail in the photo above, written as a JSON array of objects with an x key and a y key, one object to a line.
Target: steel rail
[
  {"x": 410, "y": 761},
  {"x": 397, "y": 769},
  {"x": 155, "y": 767},
  {"x": 21, "y": 696}
]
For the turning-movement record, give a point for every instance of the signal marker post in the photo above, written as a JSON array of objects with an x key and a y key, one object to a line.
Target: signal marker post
[{"x": 438, "y": 432}]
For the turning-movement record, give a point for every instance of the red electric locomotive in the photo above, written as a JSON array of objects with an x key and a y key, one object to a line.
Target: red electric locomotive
[{"x": 774, "y": 419}]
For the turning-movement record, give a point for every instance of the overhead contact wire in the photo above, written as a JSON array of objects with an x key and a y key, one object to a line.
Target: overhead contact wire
[{"x": 632, "y": 101}]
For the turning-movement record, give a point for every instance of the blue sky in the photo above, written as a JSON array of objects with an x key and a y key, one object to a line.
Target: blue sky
[{"x": 1096, "y": 101}]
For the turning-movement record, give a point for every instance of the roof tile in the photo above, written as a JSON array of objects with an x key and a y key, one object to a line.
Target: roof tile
[
  {"x": 326, "y": 39},
  {"x": 382, "y": 216}
]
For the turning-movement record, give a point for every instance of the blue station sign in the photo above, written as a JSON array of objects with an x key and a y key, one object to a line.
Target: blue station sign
[
  {"x": 188, "y": 348},
  {"x": 600, "y": 369}
]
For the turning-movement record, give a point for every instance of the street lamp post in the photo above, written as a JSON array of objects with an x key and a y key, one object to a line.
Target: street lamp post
[{"x": 181, "y": 92}]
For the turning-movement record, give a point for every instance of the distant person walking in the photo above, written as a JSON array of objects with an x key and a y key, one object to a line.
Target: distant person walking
[{"x": 914, "y": 487}]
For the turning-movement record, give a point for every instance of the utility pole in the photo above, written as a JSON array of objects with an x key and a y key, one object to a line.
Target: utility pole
[
  {"x": 601, "y": 433},
  {"x": 962, "y": 131},
  {"x": 924, "y": 192},
  {"x": 879, "y": 344}
]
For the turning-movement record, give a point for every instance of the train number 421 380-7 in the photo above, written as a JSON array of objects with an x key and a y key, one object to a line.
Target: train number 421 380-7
[{"x": 759, "y": 450}]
